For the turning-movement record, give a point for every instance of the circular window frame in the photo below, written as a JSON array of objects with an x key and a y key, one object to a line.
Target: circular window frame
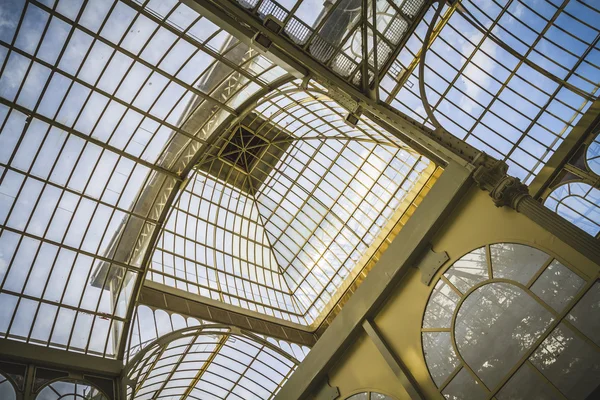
[{"x": 559, "y": 317}]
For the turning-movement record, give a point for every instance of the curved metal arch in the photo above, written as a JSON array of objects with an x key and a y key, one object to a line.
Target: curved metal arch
[
  {"x": 550, "y": 252},
  {"x": 586, "y": 159},
  {"x": 318, "y": 95},
  {"x": 590, "y": 189},
  {"x": 369, "y": 391},
  {"x": 176, "y": 191},
  {"x": 160, "y": 344},
  {"x": 77, "y": 381},
  {"x": 315, "y": 95},
  {"x": 310, "y": 94}
]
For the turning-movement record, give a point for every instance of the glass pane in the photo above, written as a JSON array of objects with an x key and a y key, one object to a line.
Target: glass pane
[
  {"x": 593, "y": 155},
  {"x": 586, "y": 314},
  {"x": 6, "y": 389},
  {"x": 69, "y": 390},
  {"x": 469, "y": 270},
  {"x": 526, "y": 384},
  {"x": 570, "y": 363},
  {"x": 516, "y": 261},
  {"x": 495, "y": 325},
  {"x": 440, "y": 307},
  {"x": 379, "y": 396},
  {"x": 359, "y": 396},
  {"x": 439, "y": 355},
  {"x": 235, "y": 366},
  {"x": 464, "y": 387},
  {"x": 578, "y": 203},
  {"x": 557, "y": 285}
]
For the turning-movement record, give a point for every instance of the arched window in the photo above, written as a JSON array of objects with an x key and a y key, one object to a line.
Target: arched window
[
  {"x": 71, "y": 390},
  {"x": 592, "y": 156},
  {"x": 510, "y": 321},
  {"x": 578, "y": 203},
  {"x": 369, "y": 396},
  {"x": 7, "y": 391},
  {"x": 210, "y": 362}
]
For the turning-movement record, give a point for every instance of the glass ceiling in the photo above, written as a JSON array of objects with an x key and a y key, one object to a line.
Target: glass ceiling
[
  {"x": 210, "y": 362},
  {"x": 151, "y": 324},
  {"x": 291, "y": 245},
  {"x": 105, "y": 107},
  {"x": 93, "y": 141},
  {"x": 124, "y": 121},
  {"x": 512, "y": 81}
]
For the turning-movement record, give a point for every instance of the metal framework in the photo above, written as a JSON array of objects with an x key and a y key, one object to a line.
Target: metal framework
[
  {"x": 289, "y": 248},
  {"x": 92, "y": 155},
  {"x": 119, "y": 159},
  {"x": 483, "y": 294},
  {"x": 210, "y": 362},
  {"x": 509, "y": 77}
]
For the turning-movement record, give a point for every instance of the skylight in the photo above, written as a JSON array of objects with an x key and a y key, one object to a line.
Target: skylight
[
  {"x": 514, "y": 106},
  {"x": 93, "y": 142},
  {"x": 292, "y": 246},
  {"x": 131, "y": 124}
]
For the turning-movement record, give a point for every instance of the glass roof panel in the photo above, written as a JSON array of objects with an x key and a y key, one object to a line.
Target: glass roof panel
[
  {"x": 92, "y": 103},
  {"x": 578, "y": 203},
  {"x": 151, "y": 324},
  {"x": 287, "y": 245},
  {"x": 211, "y": 362},
  {"x": 7, "y": 391},
  {"x": 592, "y": 157},
  {"x": 512, "y": 78}
]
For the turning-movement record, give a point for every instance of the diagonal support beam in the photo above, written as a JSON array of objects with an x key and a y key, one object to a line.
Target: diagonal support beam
[
  {"x": 400, "y": 256},
  {"x": 396, "y": 365},
  {"x": 164, "y": 297},
  {"x": 242, "y": 24}
]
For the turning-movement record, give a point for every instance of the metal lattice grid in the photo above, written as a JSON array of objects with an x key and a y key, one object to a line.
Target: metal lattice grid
[
  {"x": 578, "y": 203},
  {"x": 92, "y": 99},
  {"x": 291, "y": 246},
  {"x": 333, "y": 32},
  {"x": 511, "y": 77},
  {"x": 210, "y": 362},
  {"x": 70, "y": 389},
  {"x": 151, "y": 324}
]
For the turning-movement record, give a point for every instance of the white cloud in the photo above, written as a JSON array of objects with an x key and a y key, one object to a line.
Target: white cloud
[{"x": 478, "y": 71}]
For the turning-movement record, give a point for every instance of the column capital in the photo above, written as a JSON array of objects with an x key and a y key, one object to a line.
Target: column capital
[{"x": 505, "y": 190}]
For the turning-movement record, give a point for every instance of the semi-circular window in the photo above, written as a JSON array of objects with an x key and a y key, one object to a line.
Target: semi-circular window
[
  {"x": 210, "y": 362},
  {"x": 592, "y": 156},
  {"x": 7, "y": 391},
  {"x": 369, "y": 396},
  {"x": 71, "y": 390},
  {"x": 578, "y": 203},
  {"x": 510, "y": 321}
]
